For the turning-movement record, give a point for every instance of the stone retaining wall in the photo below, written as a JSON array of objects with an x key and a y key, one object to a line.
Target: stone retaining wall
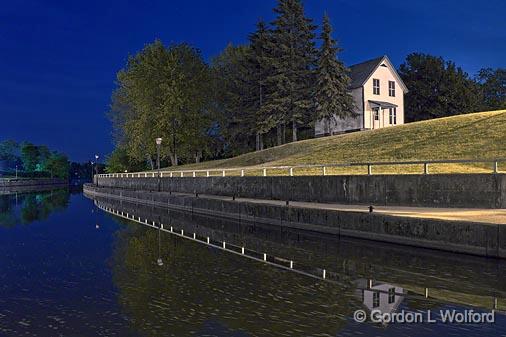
[
  {"x": 441, "y": 190},
  {"x": 8, "y": 183},
  {"x": 464, "y": 237}
]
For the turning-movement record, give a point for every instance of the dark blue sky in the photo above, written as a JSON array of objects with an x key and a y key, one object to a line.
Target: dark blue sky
[{"x": 58, "y": 59}]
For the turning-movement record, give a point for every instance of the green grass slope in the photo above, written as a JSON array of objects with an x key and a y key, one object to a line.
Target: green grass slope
[{"x": 479, "y": 135}]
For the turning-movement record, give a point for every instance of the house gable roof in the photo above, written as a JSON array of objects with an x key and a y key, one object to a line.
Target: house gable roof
[{"x": 361, "y": 72}]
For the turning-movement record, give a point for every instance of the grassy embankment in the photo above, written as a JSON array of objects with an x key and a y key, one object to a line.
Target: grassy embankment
[{"x": 479, "y": 135}]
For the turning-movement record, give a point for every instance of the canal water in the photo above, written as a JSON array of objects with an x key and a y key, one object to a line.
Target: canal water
[{"x": 73, "y": 266}]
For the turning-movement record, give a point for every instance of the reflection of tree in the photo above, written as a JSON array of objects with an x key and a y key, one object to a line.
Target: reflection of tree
[
  {"x": 198, "y": 285},
  {"x": 29, "y": 207},
  {"x": 7, "y": 218}
]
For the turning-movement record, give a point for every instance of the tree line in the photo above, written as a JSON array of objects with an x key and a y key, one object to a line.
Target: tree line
[
  {"x": 264, "y": 93},
  {"x": 439, "y": 88},
  {"x": 32, "y": 160}
]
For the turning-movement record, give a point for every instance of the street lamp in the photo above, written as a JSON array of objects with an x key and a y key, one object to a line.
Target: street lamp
[
  {"x": 96, "y": 163},
  {"x": 158, "y": 143}
]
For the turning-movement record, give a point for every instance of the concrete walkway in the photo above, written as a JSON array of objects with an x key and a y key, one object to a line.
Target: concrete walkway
[{"x": 492, "y": 216}]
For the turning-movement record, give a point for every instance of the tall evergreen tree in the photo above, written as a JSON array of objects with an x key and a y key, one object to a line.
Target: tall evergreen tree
[
  {"x": 234, "y": 95},
  {"x": 293, "y": 62},
  {"x": 333, "y": 99},
  {"x": 259, "y": 64}
]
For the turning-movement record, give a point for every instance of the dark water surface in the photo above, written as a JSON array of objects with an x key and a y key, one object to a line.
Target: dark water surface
[{"x": 69, "y": 268}]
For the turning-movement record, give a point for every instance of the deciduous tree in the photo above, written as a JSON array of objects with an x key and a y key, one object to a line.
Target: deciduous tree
[
  {"x": 437, "y": 88},
  {"x": 493, "y": 88}
]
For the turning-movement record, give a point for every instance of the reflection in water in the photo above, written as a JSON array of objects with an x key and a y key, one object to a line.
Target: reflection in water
[
  {"x": 200, "y": 289},
  {"x": 25, "y": 208},
  {"x": 84, "y": 272},
  {"x": 379, "y": 296}
]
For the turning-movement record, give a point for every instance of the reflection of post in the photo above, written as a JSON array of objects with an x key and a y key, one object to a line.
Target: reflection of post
[{"x": 159, "y": 261}]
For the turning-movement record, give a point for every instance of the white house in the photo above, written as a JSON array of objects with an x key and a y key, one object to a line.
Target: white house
[{"x": 378, "y": 92}]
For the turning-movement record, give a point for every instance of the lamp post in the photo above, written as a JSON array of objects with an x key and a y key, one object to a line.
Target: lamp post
[
  {"x": 96, "y": 163},
  {"x": 158, "y": 143},
  {"x": 91, "y": 162}
]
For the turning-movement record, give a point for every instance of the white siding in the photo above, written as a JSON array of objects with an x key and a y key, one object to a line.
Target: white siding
[
  {"x": 384, "y": 74},
  {"x": 362, "y": 96}
]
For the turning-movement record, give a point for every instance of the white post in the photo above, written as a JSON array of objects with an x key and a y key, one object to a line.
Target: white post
[
  {"x": 194, "y": 236},
  {"x": 426, "y": 292},
  {"x": 265, "y": 172},
  {"x": 291, "y": 264},
  {"x": 193, "y": 174},
  {"x": 170, "y": 175},
  {"x": 324, "y": 273},
  {"x": 425, "y": 168},
  {"x": 291, "y": 171},
  {"x": 242, "y": 173},
  {"x": 369, "y": 169},
  {"x": 223, "y": 244},
  {"x": 242, "y": 250},
  {"x": 171, "y": 229},
  {"x": 161, "y": 225},
  {"x": 161, "y": 174},
  {"x": 207, "y": 173},
  {"x": 182, "y": 232},
  {"x": 324, "y": 171},
  {"x": 496, "y": 167},
  {"x": 265, "y": 257},
  {"x": 223, "y": 173},
  {"x": 153, "y": 224},
  {"x": 182, "y": 174},
  {"x": 208, "y": 240}
]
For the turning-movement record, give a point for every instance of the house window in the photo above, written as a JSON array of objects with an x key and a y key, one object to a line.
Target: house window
[
  {"x": 391, "y": 295},
  {"x": 375, "y": 299},
  {"x": 391, "y": 88},
  {"x": 393, "y": 115},
  {"x": 375, "y": 86},
  {"x": 376, "y": 114}
]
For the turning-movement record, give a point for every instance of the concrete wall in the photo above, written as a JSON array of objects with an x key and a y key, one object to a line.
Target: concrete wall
[
  {"x": 473, "y": 238},
  {"x": 453, "y": 190},
  {"x": 7, "y": 183}
]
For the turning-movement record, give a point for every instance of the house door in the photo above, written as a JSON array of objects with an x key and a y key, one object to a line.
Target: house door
[{"x": 376, "y": 118}]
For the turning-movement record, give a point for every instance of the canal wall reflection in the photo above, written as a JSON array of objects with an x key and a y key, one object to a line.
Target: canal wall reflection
[{"x": 468, "y": 280}]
